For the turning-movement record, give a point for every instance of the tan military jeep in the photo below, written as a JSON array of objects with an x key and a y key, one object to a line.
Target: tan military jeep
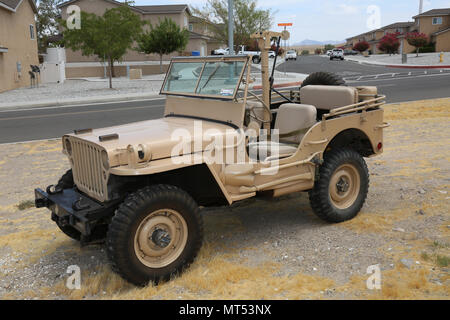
[{"x": 141, "y": 185}]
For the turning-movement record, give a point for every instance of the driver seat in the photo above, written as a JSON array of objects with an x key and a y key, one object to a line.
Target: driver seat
[{"x": 293, "y": 121}]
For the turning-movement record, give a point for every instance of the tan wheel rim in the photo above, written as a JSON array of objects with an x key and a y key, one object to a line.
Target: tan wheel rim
[
  {"x": 160, "y": 238},
  {"x": 344, "y": 186}
]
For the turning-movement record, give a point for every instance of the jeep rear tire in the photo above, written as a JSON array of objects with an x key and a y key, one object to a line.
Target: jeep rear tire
[
  {"x": 155, "y": 234},
  {"x": 341, "y": 190},
  {"x": 323, "y": 78}
]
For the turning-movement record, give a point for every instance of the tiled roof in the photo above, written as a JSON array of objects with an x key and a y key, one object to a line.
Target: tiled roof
[
  {"x": 399, "y": 25},
  {"x": 395, "y": 25},
  {"x": 441, "y": 31},
  {"x": 13, "y": 4},
  {"x": 195, "y": 35},
  {"x": 171, "y": 8},
  {"x": 174, "y": 8},
  {"x": 435, "y": 12}
]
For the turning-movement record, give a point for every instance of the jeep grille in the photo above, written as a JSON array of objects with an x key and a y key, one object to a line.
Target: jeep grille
[{"x": 87, "y": 169}]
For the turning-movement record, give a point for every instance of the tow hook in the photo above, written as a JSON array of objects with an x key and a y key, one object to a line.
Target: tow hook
[{"x": 56, "y": 189}]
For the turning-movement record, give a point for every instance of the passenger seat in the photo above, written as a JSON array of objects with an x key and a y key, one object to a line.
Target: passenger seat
[{"x": 293, "y": 121}]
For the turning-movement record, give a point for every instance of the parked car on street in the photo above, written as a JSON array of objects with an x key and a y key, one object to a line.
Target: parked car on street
[
  {"x": 221, "y": 51},
  {"x": 329, "y": 52},
  {"x": 350, "y": 52},
  {"x": 291, "y": 55},
  {"x": 337, "y": 54}
]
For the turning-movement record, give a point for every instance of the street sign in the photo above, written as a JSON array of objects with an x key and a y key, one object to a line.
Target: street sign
[
  {"x": 285, "y": 24},
  {"x": 285, "y": 35}
]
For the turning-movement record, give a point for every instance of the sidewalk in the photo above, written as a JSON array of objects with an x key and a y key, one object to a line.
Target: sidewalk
[
  {"x": 96, "y": 90},
  {"x": 424, "y": 60}
]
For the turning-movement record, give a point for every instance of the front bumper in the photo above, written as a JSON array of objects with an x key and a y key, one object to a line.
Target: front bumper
[{"x": 69, "y": 207}]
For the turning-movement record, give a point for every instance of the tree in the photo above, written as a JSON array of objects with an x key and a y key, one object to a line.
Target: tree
[
  {"x": 108, "y": 36},
  {"x": 328, "y": 47},
  {"x": 46, "y": 22},
  {"x": 389, "y": 43},
  {"x": 247, "y": 19},
  {"x": 273, "y": 48},
  {"x": 361, "y": 46},
  {"x": 417, "y": 39},
  {"x": 318, "y": 51},
  {"x": 305, "y": 52},
  {"x": 165, "y": 38}
]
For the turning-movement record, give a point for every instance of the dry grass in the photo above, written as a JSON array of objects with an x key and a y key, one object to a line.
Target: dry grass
[
  {"x": 424, "y": 109},
  {"x": 211, "y": 277},
  {"x": 26, "y": 204}
]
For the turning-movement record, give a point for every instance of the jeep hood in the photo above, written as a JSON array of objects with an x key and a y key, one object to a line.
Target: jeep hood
[{"x": 159, "y": 136}]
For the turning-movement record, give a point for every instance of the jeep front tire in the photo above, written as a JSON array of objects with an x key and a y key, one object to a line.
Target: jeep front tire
[
  {"x": 341, "y": 190},
  {"x": 155, "y": 233}
]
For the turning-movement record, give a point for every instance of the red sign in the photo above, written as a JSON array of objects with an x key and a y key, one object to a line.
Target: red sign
[{"x": 285, "y": 24}]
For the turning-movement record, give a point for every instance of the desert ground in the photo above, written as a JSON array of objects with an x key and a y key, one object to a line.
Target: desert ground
[{"x": 260, "y": 249}]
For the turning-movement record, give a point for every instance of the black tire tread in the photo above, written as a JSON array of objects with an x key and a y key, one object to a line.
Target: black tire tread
[
  {"x": 319, "y": 195},
  {"x": 128, "y": 212},
  {"x": 323, "y": 78},
  {"x": 66, "y": 181}
]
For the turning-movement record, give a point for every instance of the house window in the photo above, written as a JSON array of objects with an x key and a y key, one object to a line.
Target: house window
[
  {"x": 437, "y": 20},
  {"x": 32, "y": 32},
  {"x": 191, "y": 27}
]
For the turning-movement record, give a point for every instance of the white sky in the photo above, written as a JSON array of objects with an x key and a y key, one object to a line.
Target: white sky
[{"x": 327, "y": 19}]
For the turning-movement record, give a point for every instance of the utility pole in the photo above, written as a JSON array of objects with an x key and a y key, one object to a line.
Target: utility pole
[
  {"x": 230, "y": 26},
  {"x": 420, "y": 6}
]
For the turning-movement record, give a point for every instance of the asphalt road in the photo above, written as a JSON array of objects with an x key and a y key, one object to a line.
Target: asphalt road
[
  {"x": 45, "y": 123},
  {"x": 397, "y": 84}
]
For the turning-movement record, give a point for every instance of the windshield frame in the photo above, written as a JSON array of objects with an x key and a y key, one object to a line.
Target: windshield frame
[{"x": 235, "y": 58}]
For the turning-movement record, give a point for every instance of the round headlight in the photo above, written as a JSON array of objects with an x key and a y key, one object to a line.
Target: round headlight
[
  {"x": 105, "y": 160},
  {"x": 68, "y": 146}
]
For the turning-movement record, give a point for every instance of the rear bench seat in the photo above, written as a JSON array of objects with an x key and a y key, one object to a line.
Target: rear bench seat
[{"x": 328, "y": 97}]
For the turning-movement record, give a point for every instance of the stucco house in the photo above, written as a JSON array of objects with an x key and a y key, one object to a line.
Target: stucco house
[
  {"x": 18, "y": 44},
  {"x": 434, "y": 23},
  {"x": 373, "y": 37},
  {"x": 78, "y": 65}
]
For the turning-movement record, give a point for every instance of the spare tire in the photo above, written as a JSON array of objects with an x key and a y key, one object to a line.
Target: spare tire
[{"x": 323, "y": 78}]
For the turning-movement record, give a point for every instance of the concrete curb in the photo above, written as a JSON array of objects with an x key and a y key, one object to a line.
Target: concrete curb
[
  {"x": 400, "y": 66},
  {"x": 415, "y": 66},
  {"x": 79, "y": 101}
]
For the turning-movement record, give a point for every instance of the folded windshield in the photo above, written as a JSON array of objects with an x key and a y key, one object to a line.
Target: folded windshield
[{"x": 206, "y": 78}]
